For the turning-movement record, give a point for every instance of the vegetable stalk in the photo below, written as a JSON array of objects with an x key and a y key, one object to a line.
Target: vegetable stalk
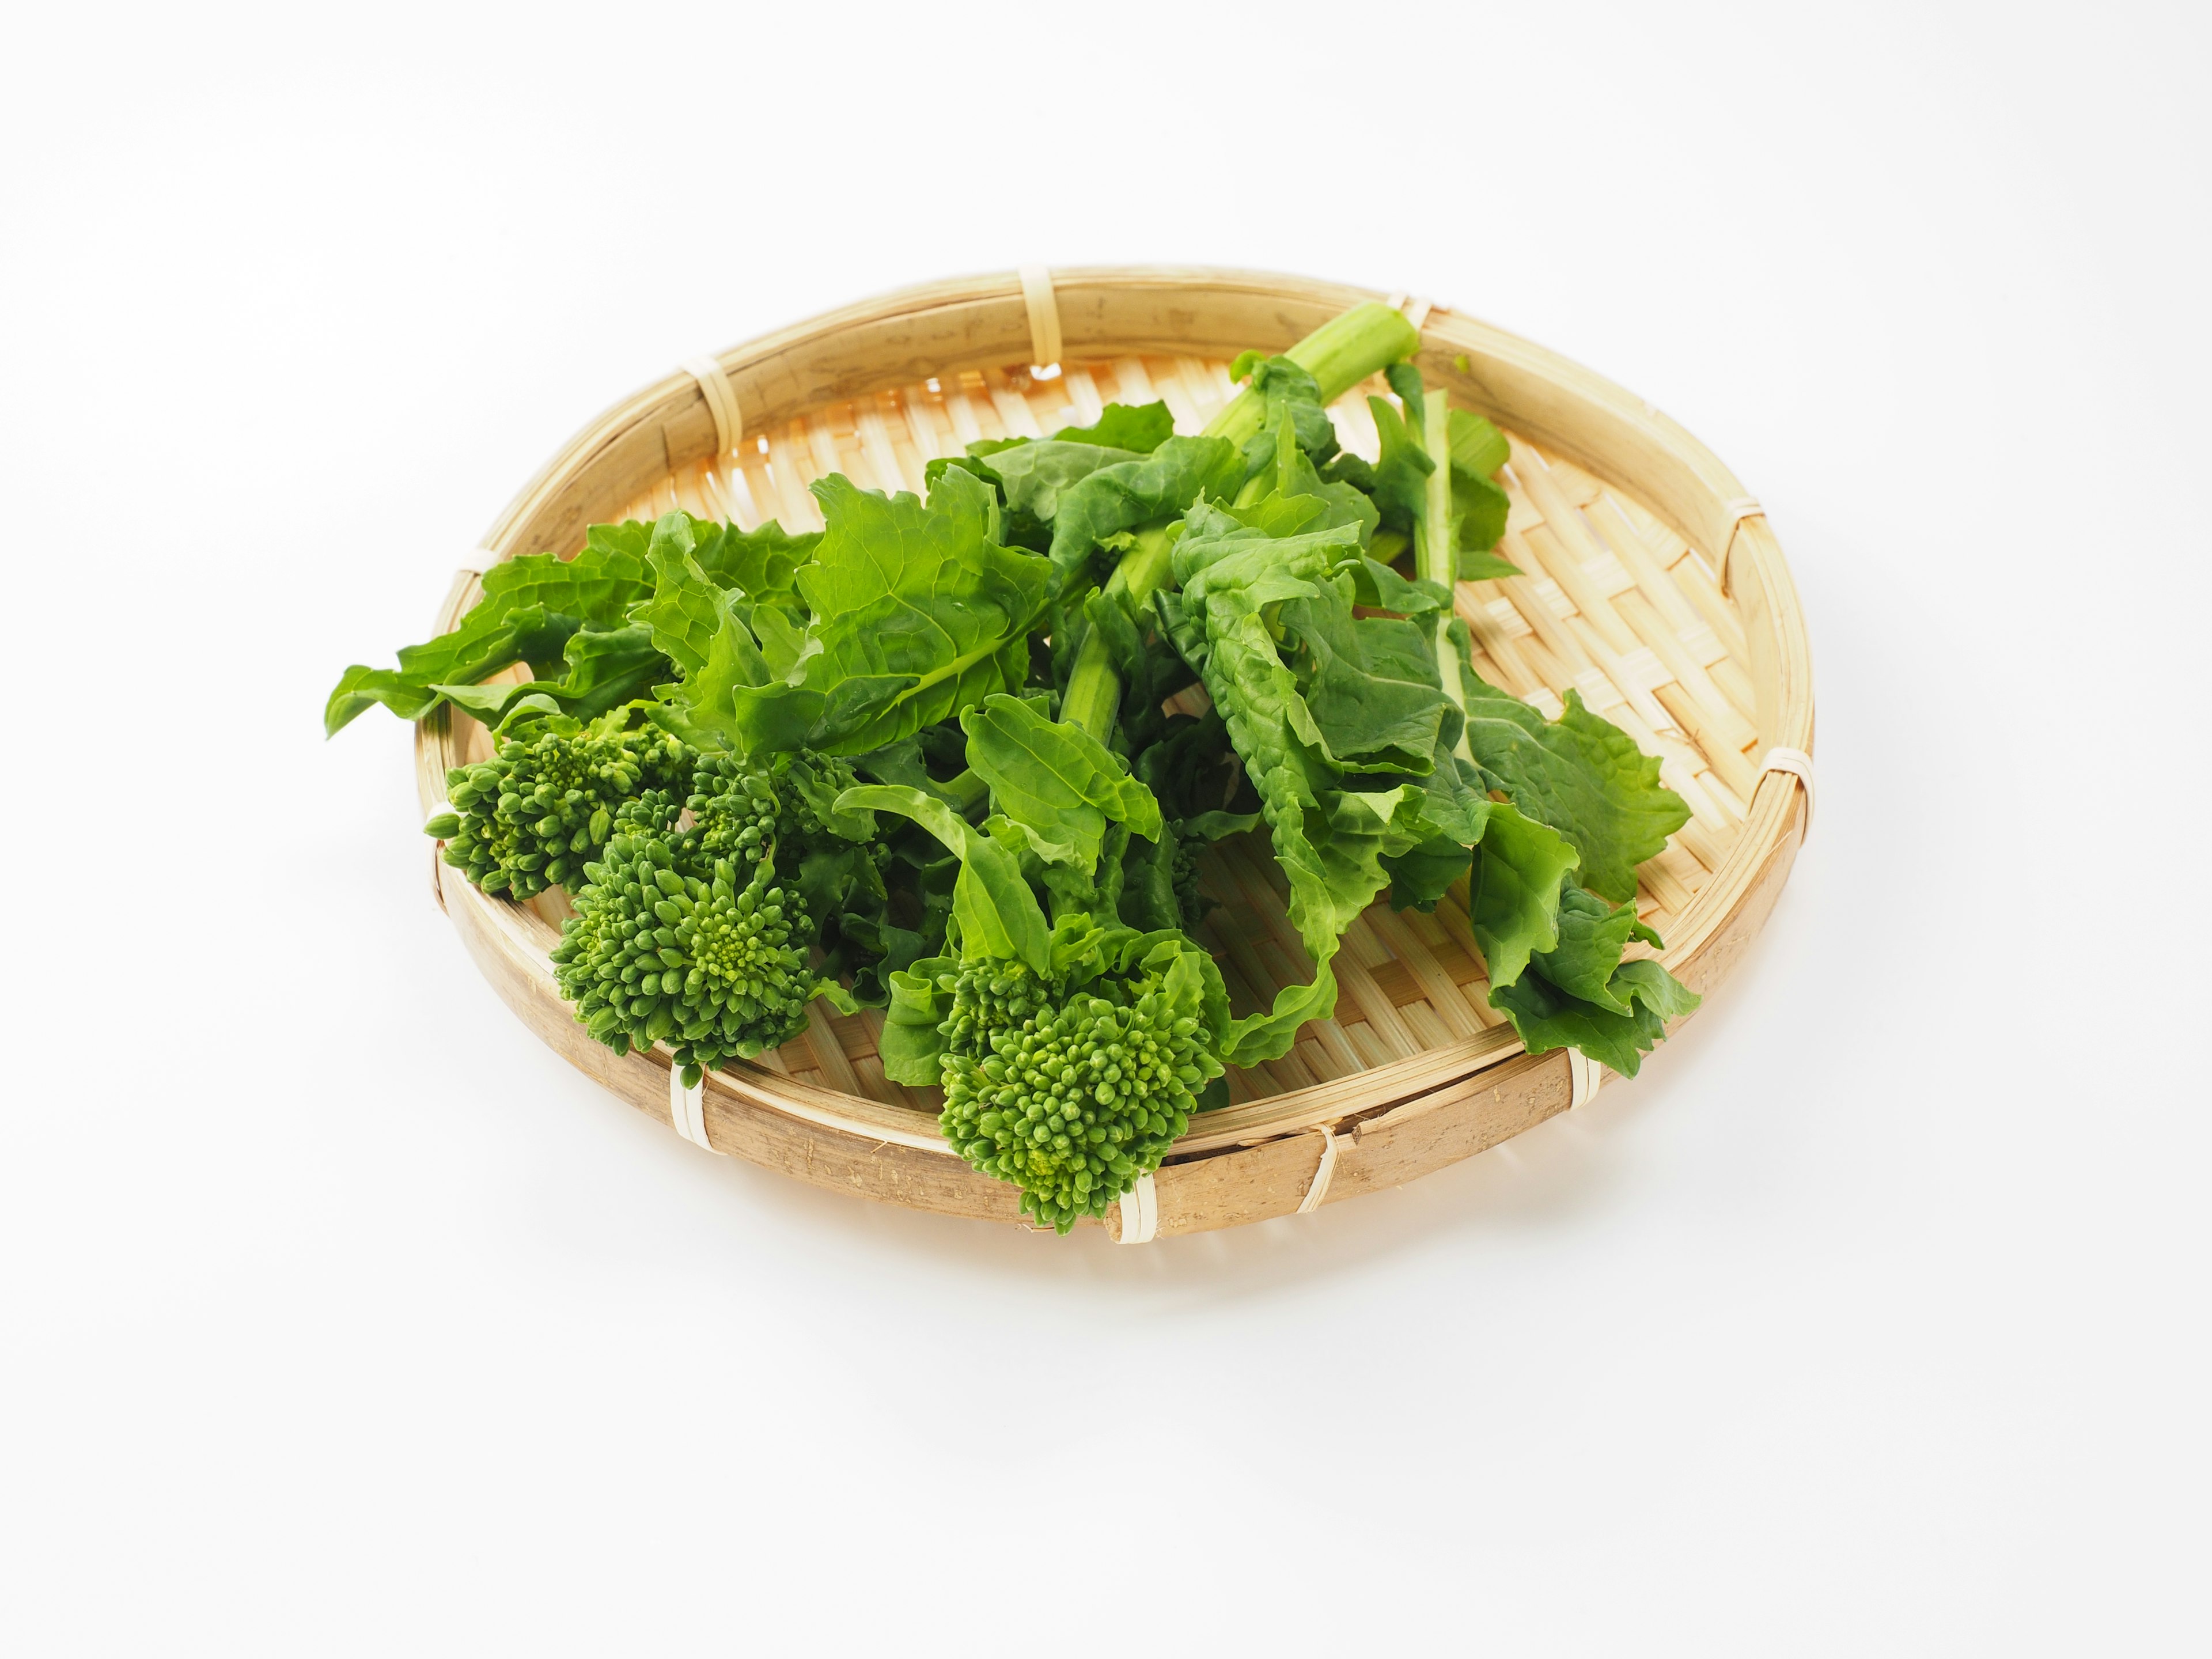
[
  {"x": 1339, "y": 354},
  {"x": 1094, "y": 684},
  {"x": 1436, "y": 552}
]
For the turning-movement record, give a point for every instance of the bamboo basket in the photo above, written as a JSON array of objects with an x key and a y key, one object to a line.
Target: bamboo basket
[{"x": 1653, "y": 587}]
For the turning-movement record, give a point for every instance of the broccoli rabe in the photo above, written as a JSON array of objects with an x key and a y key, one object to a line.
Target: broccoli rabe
[
  {"x": 684, "y": 932},
  {"x": 542, "y": 808},
  {"x": 1071, "y": 1084},
  {"x": 1024, "y": 714}
]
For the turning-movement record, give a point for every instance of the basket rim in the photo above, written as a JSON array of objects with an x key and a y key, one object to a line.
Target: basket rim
[{"x": 982, "y": 321}]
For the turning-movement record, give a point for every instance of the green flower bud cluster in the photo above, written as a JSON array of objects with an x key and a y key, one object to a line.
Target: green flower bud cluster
[
  {"x": 738, "y": 810},
  {"x": 796, "y": 824},
  {"x": 533, "y": 816},
  {"x": 683, "y": 935},
  {"x": 1071, "y": 1096}
]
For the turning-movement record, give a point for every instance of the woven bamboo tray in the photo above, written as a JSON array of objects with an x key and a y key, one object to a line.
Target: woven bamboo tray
[{"x": 1654, "y": 587}]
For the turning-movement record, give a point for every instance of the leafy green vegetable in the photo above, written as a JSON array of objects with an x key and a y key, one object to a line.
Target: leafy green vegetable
[
  {"x": 1287, "y": 392},
  {"x": 1513, "y": 892},
  {"x": 1130, "y": 493},
  {"x": 1592, "y": 935},
  {"x": 1478, "y": 449},
  {"x": 927, "y": 753},
  {"x": 1140, "y": 428},
  {"x": 1581, "y": 774},
  {"x": 1033, "y": 476},
  {"x": 1400, "y": 477},
  {"x": 687, "y": 611},
  {"x": 608, "y": 668},
  {"x": 1339, "y": 354},
  {"x": 998, "y": 914},
  {"x": 531, "y": 608},
  {"x": 762, "y": 563},
  {"x": 1372, "y": 687},
  {"x": 1070, "y": 1058},
  {"x": 916, "y": 612},
  {"x": 1058, "y": 780},
  {"x": 1548, "y": 1017},
  {"x": 923, "y": 595},
  {"x": 1229, "y": 578}
]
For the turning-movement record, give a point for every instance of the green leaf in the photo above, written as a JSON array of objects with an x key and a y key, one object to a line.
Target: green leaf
[
  {"x": 1149, "y": 899},
  {"x": 1592, "y": 935},
  {"x": 1454, "y": 813},
  {"x": 1421, "y": 877},
  {"x": 903, "y": 589},
  {"x": 701, "y": 629},
  {"x": 1212, "y": 826},
  {"x": 1287, "y": 392},
  {"x": 1548, "y": 1018},
  {"x": 1476, "y": 565},
  {"x": 1513, "y": 891},
  {"x": 1478, "y": 448},
  {"x": 1269, "y": 1034},
  {"x": 530, "y": 607},
  {"x": 1581, "y": 774},
  {"x": 1341, "y": 504},
  {"x": 1056, "y": 780},
  {"x": 687, "y": 612},
  {"x": 918, "y": 613},
  {"x": 607, "y": 668},
  {"x": 760, "y": 563},
  {"x": 784, "y": 643},
  {"x": 899, "y": 763},
  {"x": 1263, "y": 569},
  {"x": 1281, "y": 515},
  {"x": 1126, "y": 646},
  {"x": 1154, "y": 487},
  {"x": 1139, "y": 428},
  {"x": 1339, "y": 354},
  {"x": 1370, "y": 683},
  {"x": 1581, "y": 994},
  {"x": 1381, "y": 587},
  {"x": 1034, "y": 474},
  {"x": 1401, "y": 472},
  {"x": 1329, "y": 843},
  {"x": 911, "y": 1044},
  {"x": 998, "y": 914}
]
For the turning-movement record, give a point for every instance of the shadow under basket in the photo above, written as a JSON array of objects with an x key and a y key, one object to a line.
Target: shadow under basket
[{"x": 1653, "y": 587}]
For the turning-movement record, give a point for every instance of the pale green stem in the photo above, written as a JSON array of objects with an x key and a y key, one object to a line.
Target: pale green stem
[
  {"x": 1094, "y": 685},
  {"x": 1436, "y": 551},
  {"x": 967, "y": 790},
  {"x": 1339, "y": 354}
]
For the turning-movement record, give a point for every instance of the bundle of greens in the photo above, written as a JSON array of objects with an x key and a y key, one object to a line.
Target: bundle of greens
[{"x": 928, "y": 760}]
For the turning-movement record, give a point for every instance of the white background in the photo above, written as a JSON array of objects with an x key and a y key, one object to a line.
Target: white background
[{"x": 337, "y": 1316}]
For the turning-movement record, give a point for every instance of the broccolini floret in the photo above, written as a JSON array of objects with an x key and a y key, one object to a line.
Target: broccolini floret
[
  {"x": 1072, "y": 1085},
  {"x": 684, "y": 932},
  {"x": 543, "y": 807}
]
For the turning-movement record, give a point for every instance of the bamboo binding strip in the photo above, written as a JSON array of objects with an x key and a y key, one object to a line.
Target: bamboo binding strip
[{"x": 1653, "y": 586}]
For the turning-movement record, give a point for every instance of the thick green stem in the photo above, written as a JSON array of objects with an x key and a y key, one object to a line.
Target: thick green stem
[
  {"x": 969, "y": 791},
  {"x": 1339, "y": 354},
  {"x": 1094, "y": 685}
]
